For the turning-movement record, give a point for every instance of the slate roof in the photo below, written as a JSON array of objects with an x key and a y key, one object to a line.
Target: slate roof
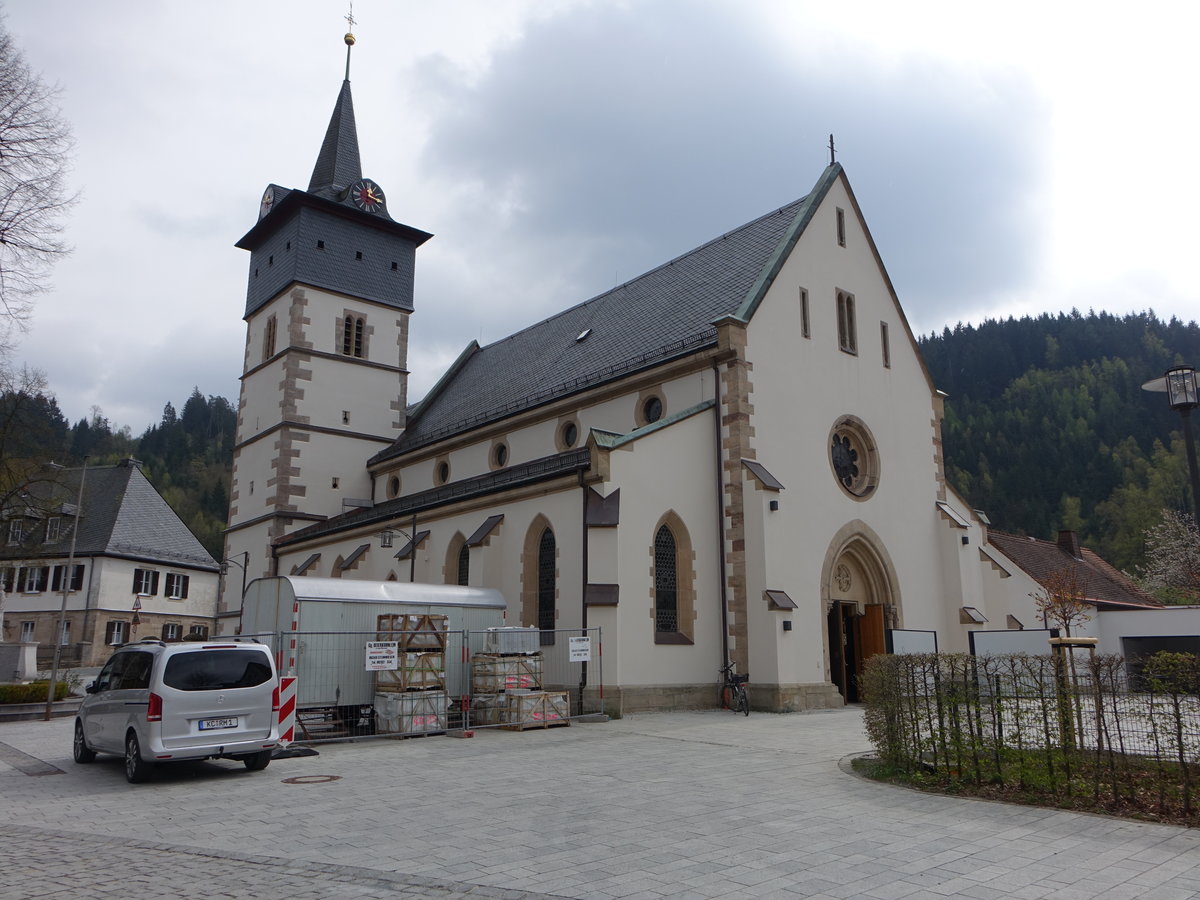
[
  {"x": 403, "y": 508},
  {"x": 123, "y": 515},
  {"x": 338, "y": 165},
  {"x": 1103, "y": 585},
  {"x": 665, "y": 313}
]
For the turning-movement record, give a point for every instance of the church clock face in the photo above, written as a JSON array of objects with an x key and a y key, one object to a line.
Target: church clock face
[
  {"x": 367, "y": 195},
  {"x": 268, "y": 201}
]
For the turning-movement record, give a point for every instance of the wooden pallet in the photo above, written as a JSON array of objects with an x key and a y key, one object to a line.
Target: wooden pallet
[
  {"x": 539, "y": 709},
  {"x": 492, "y": 673},
  {"x": 413, "y": 631},
  {"x": 417, "y": 672}
]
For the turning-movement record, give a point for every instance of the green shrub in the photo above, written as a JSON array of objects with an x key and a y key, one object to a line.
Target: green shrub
[{"x": 34, "y": 692}]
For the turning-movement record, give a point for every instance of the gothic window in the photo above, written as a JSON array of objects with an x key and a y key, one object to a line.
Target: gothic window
[
  {"x": 269, "y": 339},
  {"x": 805, "y": 329},
  {"x": 841, "y": 228},
  {"x": 885, "y": 345},
  {"x": 464, "y": 565},
  {"x": 847, "y": 334},
  {"x": 546, "y": 586},
  {"x": 666, "y": 582},
  {"x": 352, "y": 336}
]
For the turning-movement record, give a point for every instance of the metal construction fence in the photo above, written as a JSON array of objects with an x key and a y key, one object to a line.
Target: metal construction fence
[
  {"x": 355, "y": 685},
  {"x": 1061, "y": 724}
]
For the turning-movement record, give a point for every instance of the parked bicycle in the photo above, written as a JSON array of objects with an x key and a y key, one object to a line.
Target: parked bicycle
[{"x": 733, "y": 690}]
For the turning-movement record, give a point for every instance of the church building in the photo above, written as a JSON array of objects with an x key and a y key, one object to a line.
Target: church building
[{"x": 735, "y": 456}]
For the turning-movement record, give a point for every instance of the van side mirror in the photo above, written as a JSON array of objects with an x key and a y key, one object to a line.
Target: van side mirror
[{"x": 91, "y": 688}]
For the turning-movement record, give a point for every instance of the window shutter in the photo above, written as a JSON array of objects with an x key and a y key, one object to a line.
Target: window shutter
[
  {"x": 153, "y": 583},
  {"x": 56, "y": 579},
  {"x": 183, "y": 582},
  {"x": 109, "y": 630},
  {"x": 77, "y": 578},
  {"x": 22, "y": 579},
  {"x": 165, "y": 632},
  {"x": 137, "y": 583}
]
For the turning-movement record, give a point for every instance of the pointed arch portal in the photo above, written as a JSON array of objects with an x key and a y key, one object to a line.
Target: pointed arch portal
[{"x": 859, "y": 586}]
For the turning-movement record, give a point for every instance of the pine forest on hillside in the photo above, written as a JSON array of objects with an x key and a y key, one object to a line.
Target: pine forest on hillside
[
  {"x": 1046, "y": 428},
  {"x": 187, "y": 456}
]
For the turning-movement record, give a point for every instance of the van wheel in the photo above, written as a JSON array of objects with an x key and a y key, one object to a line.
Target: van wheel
[
  {"x": 136, "y": 769},
  {"x": 83, "y": 754},
  {"x": 256, "y": 762}
]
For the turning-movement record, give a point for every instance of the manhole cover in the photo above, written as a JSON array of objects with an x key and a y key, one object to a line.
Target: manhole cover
[{"x": 312, "y": 779}]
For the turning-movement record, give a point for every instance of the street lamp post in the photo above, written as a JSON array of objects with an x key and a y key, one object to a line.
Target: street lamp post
[
  {"x": 224, "y": 570},
  {"x": 1179, "y": 384},
  {"x": 385, "y": 541},
  {"x": 62, "y": 610}
]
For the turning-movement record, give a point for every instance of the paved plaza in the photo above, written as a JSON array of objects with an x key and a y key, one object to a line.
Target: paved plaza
[{"x": 702, "y": 804}]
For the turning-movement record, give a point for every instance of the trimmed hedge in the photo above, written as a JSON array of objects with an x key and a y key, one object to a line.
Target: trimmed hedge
[{"x": 34, "y": 692}]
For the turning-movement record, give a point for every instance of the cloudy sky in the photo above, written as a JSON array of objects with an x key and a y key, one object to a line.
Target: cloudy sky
[{"x": 1009, "y": 158}]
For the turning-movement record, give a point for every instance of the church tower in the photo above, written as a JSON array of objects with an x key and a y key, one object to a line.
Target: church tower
[{"x": 324, "y": 378}]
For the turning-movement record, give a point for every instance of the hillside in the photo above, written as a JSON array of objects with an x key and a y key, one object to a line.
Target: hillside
[
  {"x": 1047, "y": 426},
  {"x": 187, "y": 456}
]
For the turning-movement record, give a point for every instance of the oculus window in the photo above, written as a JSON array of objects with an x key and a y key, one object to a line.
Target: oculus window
[{"x": 854, "y": 457}]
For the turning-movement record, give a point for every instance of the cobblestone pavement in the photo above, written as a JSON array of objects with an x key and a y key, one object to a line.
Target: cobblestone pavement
[{"x": 702, "y": 804}]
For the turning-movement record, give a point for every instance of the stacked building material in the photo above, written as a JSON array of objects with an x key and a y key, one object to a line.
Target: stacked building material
[
  {"x": 411, "y": 699},
  {"x": 506, "y": 683}
]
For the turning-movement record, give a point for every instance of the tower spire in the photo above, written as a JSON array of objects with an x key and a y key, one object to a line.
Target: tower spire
[
  {"x": 338, "y": 164},
  {"x": 349, "y": 37}
]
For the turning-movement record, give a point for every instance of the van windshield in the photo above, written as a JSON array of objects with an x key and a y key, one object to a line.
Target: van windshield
[{"x": 214, "y": 670}]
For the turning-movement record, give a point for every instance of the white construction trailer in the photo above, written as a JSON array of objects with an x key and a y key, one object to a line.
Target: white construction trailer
[{"x": 332, "y": 619}]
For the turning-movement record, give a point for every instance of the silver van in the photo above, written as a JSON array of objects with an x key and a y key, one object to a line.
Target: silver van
[{"x": 157, "y": 702}]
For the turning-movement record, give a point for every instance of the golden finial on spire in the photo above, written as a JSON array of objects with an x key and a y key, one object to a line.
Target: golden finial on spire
[{"x": 349, "y": 38}]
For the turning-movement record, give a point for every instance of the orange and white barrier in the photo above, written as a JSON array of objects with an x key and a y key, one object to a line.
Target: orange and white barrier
[{"x": 287, "y": 709}]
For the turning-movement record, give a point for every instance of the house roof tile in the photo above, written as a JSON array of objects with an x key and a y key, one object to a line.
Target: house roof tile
[{"x": 1041, "y": 560}]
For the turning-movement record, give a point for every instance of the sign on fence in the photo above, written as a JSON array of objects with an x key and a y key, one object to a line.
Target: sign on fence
[
  {"x": 383, "y": 656},
  {"x": 580, "y": 649}
]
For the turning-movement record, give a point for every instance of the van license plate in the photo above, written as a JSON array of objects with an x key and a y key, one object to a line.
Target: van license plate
[{"x": 210, "y": 724}]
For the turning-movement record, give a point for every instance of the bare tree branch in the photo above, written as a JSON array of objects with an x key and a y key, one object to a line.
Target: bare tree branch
[{"x": 35, "y": 148}]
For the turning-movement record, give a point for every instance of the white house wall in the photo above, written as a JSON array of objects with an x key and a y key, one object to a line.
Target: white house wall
[{"x": 1113, "y": 625}]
